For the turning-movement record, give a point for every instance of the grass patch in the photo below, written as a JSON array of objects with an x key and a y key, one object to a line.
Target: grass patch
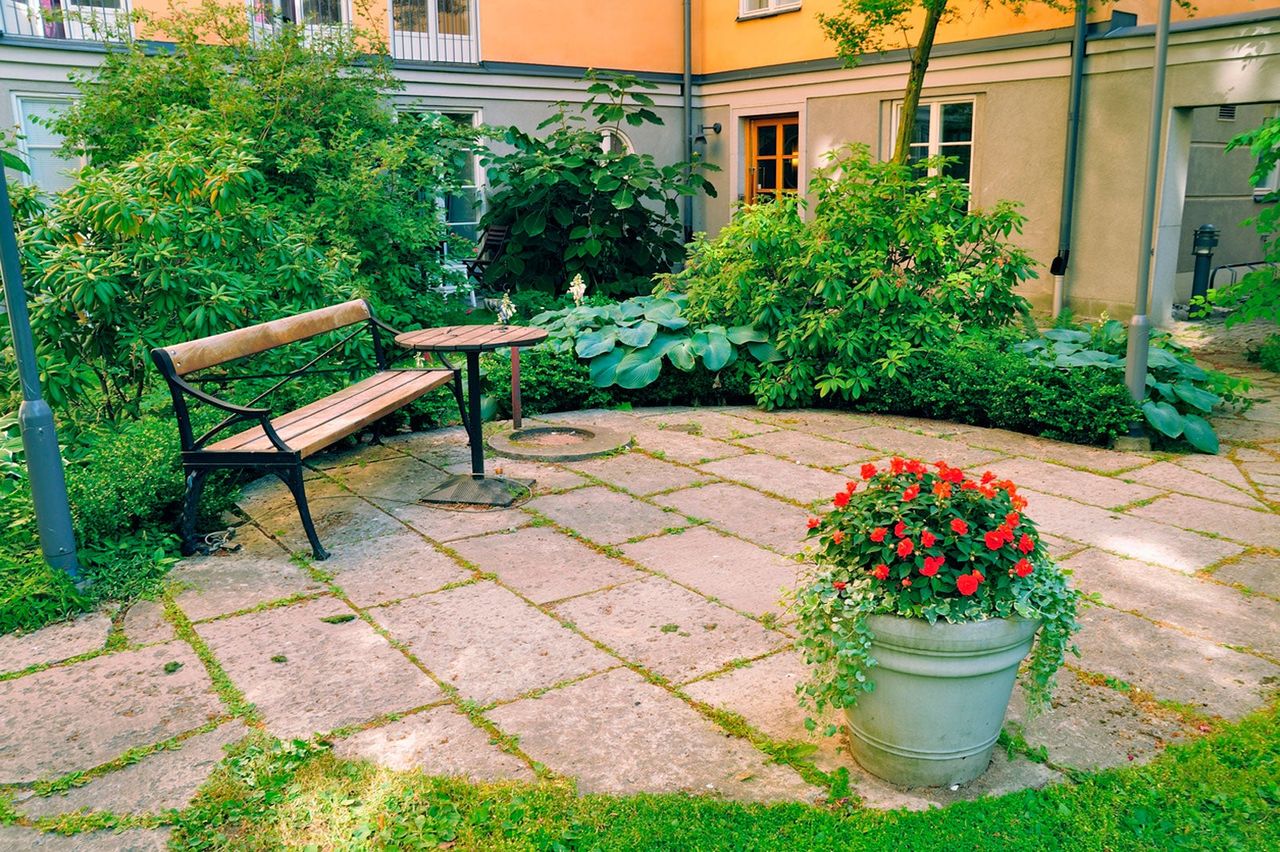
[{"x": 1219, "y": 792}]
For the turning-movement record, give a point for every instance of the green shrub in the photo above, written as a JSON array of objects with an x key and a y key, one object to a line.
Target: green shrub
[
  {"x": 549, "y": 381},
  {"x": 1267, "y": 355},
  {"x": 891, "y": 265}
]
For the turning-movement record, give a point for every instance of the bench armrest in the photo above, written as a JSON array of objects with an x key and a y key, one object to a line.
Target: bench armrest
[{"x": 210, "y": 399}]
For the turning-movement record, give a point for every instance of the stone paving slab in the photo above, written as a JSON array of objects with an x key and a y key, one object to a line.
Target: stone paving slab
[
  {"x": 440, "y": 741},
  {"x": 400, "y": 478},
  {"x": 1231, "y": 430},
  {"x": 1211, "y": 679},
  {"x": 489, "y": 644},
  {"x": 1168, "y": 476},
  {"x": 684, "y": 448},
  {"x": 927, "y": 448},
  {"x": 144, "y": 624},
  {"x": 1072, "y": 455},
  {"x": 85, "y": 714},
  {"x": 742, "y": 575},
  {"x": 16, "y": 837},
  {"x": 1090, "y": 728},
  {"x": 604, "y": 516},
  {"x": 354, "y": 453},
  {"x": 1259, "y": 572},
  {"x": 1220, "y": 467},
  {"x": 1261, "y": 529},
  {"x": 391, "y": 567},
  {"x": 546, "y": 477},
  {"x": 1197, "y": 605},
  {"x": 787, "y": 479},
  {"x": 1136, "y": 537},
  {"x": 807, "y": 448},
  {"x": 55, "y": 643},
  {"x": 716, "y": 424},
  {"x": 544, "y": 565},
  {"x": 668, "y": 629},
  {"x": 339, "y": 521},
  {"x": 445, "y": 525},
  {"x": 815, "y": 421},
  {"x": 306, "y": 675},
  {"x": 640, "y": 474},
  {"x": 161, "y": 781},
  {"x": 744, "y": 512},
  {"x": 1091, "y": 488},
  {"x": 615, "y": 733},
  {"x": 268, "y": 494},
  {"x": 209, "y": 586}
]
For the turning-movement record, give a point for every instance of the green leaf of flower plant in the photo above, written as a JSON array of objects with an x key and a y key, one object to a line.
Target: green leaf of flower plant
[{"x": 1164, "y": 417}]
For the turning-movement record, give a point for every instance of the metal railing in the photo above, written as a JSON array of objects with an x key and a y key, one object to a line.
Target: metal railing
[
  {"x": 1234, "y": 270},
  {"x": 66, "y": 20},
  {"x": 435, "y": 30}
]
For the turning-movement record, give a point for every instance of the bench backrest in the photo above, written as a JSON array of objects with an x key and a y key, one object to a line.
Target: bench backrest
[
  {"x": 230, "y": 345},
  {"x": 492, "y": 243}
]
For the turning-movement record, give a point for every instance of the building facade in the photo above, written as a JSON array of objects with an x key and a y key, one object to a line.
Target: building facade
[{"x": 769, "y": 101}]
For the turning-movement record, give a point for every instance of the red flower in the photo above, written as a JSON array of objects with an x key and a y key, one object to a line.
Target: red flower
[
  {"x": 1025, "y": 544},
  {"x": 897, "y": 465},
  {"x": 905, "y": 548},
  {"x": 868, "y": 471},
  {"x": 942, "y": 489},
  {"x": 882, "y": 571},
  {"x": 968, "y": 485},
  {"x": 987, "y": 477},
  {"x": 911, "y": 493},
  {"x": 959, "y": 526},
  {"x": 837, "y": 536},
  {"x": 1024, "y": 567},
  {"x": 813, "y": 523},
  {"x": 932, "y": 564},
  {"x": 900, "y": 529},
  {"x": 841, "y": 500},
  {"x": 953, "y": 475},
  {"x": 987, "y": 491},
  {"x": 927, "y": 539},
  {"x": 914, "y": 466},
  {"x": 878, "y": 534},
  {"x": 906, "y": 581},
  {"x": 978, "y": 574},
  {"x": 838, "y": 586},
  {"x": 1013, "y": 519},
  {"x": 851, "y": 486},
  {"x": 994, "y": 540},
  {"x": 966, "y": 584},
  {"x": 1019, "y": 503}
]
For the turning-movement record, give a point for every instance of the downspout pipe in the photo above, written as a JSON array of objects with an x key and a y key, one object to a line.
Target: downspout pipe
[
  {"x": 688, "y": 112},
  {"x": 1059, "y": 266}
]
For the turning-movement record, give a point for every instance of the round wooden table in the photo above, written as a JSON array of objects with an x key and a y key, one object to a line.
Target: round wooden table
[{"x": 471, "y": 340}]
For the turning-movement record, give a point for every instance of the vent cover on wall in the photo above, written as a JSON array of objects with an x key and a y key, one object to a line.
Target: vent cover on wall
[{"x": 1227, "y": 112}]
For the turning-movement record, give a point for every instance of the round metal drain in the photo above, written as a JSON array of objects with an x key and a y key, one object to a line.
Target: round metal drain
[{"x": 558, "y": 443}]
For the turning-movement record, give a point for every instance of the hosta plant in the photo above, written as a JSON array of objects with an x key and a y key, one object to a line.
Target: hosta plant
[
  {"x": 627, "y": 342},
  {"x": 925, "y": 541}
]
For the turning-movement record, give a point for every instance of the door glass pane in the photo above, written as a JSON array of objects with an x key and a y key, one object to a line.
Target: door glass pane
[
  {"x": 957, "y": 122},
  {"x": 322, "y": 11},
  {"x": 453, "y": 18},
  {"x": 791, "y": 174},
  {"x": 410, "y": 15},
  {"x": 767, "y": 140},
  {"x": 790, "y": 139},
  {"x": 964, "y": 155},
  {"x": 767, "y": 176},
  {"x": 920, "y": 133}
]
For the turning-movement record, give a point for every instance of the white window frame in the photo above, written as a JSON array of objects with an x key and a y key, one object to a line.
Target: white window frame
[
  {"x": 771, "y": 7},
  {"x": 934, "y": 145},
  {"x": 260, "y": 8},
  {"x": 477, "y": 119},
  {"x": 612, "y": 132},
  {"x": 24, "y": 142}
]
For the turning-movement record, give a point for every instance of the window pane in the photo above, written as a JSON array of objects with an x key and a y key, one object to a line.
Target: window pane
[
  {"x": 791, "y": 173},
  {"x": 322, "y": 11},
  {"x": 957, "y": 122},
  {"x": 790, "y": 139},
  {"x": 767, "y": 176},
  {"x": 767, "y": 140},
  {"x": 50, "y": 172},
  {"x": 410, "y": 15},
  {"x": 454, "y": 18},
  {"x": 754, "y": 5},
  {"x": 964, "y": 155},
  {"x": 920, "y": 133},
  {"x": 35, "y": 118},
  {"x": 916, "y": 153}
]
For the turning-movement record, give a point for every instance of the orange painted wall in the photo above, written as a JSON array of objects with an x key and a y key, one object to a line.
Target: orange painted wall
[{"x": 644, "y": 35}]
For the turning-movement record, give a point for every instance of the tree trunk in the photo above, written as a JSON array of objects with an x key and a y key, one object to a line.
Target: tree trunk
[{"x": 934, "y": 10}]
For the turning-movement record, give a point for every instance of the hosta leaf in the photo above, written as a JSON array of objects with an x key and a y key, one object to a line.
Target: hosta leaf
[
  {"x": 1164, "y": 417},
  {"x": 1198, "y": 397},
  {"x": 666, "y": 314},
  {"x": 637, "y": 369},
  {"x": 1199, "y": 433},
  {"x": 604, "y": 369},
  {"x": 1062, "y": 334},
  {"x": 715, "y": 349},
  {"x": 681, "y": 355},
  {"x": 764, "y": 352},
  {"x": 595, "y": 343},
  {"x": 741, "y": 334},
  {"x": 639, "y": 335}
]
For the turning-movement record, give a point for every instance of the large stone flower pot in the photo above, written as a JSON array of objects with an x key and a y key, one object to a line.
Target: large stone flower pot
[{"x": 940, "y": 695}]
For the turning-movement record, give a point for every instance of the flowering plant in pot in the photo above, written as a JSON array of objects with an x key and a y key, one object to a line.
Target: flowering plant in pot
[{"x": 929, "y": 588}]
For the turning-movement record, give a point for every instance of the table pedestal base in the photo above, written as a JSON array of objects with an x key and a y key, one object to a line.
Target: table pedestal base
[{"x": 479, "y": 490}]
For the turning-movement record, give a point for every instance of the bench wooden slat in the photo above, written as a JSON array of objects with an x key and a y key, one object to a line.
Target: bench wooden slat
[
  {"x": 317, "y": 425},
  {"x": 230, "y": 345}
]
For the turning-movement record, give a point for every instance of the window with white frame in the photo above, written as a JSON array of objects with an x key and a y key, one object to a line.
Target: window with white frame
[
  {"x": 613, "y": 140},
  {"x": 759, "y": 8},
  {"x": 39, "y": 143},
  {"x": 329, "y": 13},
  {"x": 944, "y": 128},
  {"x": 463, "y": 209}
]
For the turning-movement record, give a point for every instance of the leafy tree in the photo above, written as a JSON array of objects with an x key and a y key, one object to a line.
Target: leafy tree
[
  {"x": 577, "y": 207},
  {"x": 874, "y": 26}
]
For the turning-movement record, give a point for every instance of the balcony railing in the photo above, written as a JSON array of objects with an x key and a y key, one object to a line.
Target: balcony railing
[
  {"x": 435, "y": 30},
  {"x": 66, "y": 20}
]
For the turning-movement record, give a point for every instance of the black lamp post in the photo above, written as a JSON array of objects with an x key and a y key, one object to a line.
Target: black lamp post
[{"x": 35, "y": 418}]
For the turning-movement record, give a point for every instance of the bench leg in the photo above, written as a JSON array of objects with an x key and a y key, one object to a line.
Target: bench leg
[
  {"x": 293, "y": 479},
  {"x": 191, "y": 542}
]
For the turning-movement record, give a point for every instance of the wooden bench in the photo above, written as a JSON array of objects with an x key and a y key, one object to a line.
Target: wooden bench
[{"x": 278, "y": 444}]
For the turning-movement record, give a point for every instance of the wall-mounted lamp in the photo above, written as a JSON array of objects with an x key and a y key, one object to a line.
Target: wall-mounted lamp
[{"x": 701, "y": 138}]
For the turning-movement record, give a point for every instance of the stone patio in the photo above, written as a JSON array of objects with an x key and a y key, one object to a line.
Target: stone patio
[{"x": 604, "y": 624}]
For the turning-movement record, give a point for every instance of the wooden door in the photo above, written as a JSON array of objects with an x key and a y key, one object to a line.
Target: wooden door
[{"x": 773, "y": 157}]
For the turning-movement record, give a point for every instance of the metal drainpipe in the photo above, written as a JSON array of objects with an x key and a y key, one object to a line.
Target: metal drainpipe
[
  {"x": 1059, "y": 266},
  {"x": 688, "y": 112}
]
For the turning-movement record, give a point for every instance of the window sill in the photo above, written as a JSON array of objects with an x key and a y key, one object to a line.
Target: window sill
[{"x": 767, "y": 13}]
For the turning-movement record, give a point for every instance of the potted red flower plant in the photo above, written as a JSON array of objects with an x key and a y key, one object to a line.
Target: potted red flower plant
[{"x": 929, "y": 589}]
